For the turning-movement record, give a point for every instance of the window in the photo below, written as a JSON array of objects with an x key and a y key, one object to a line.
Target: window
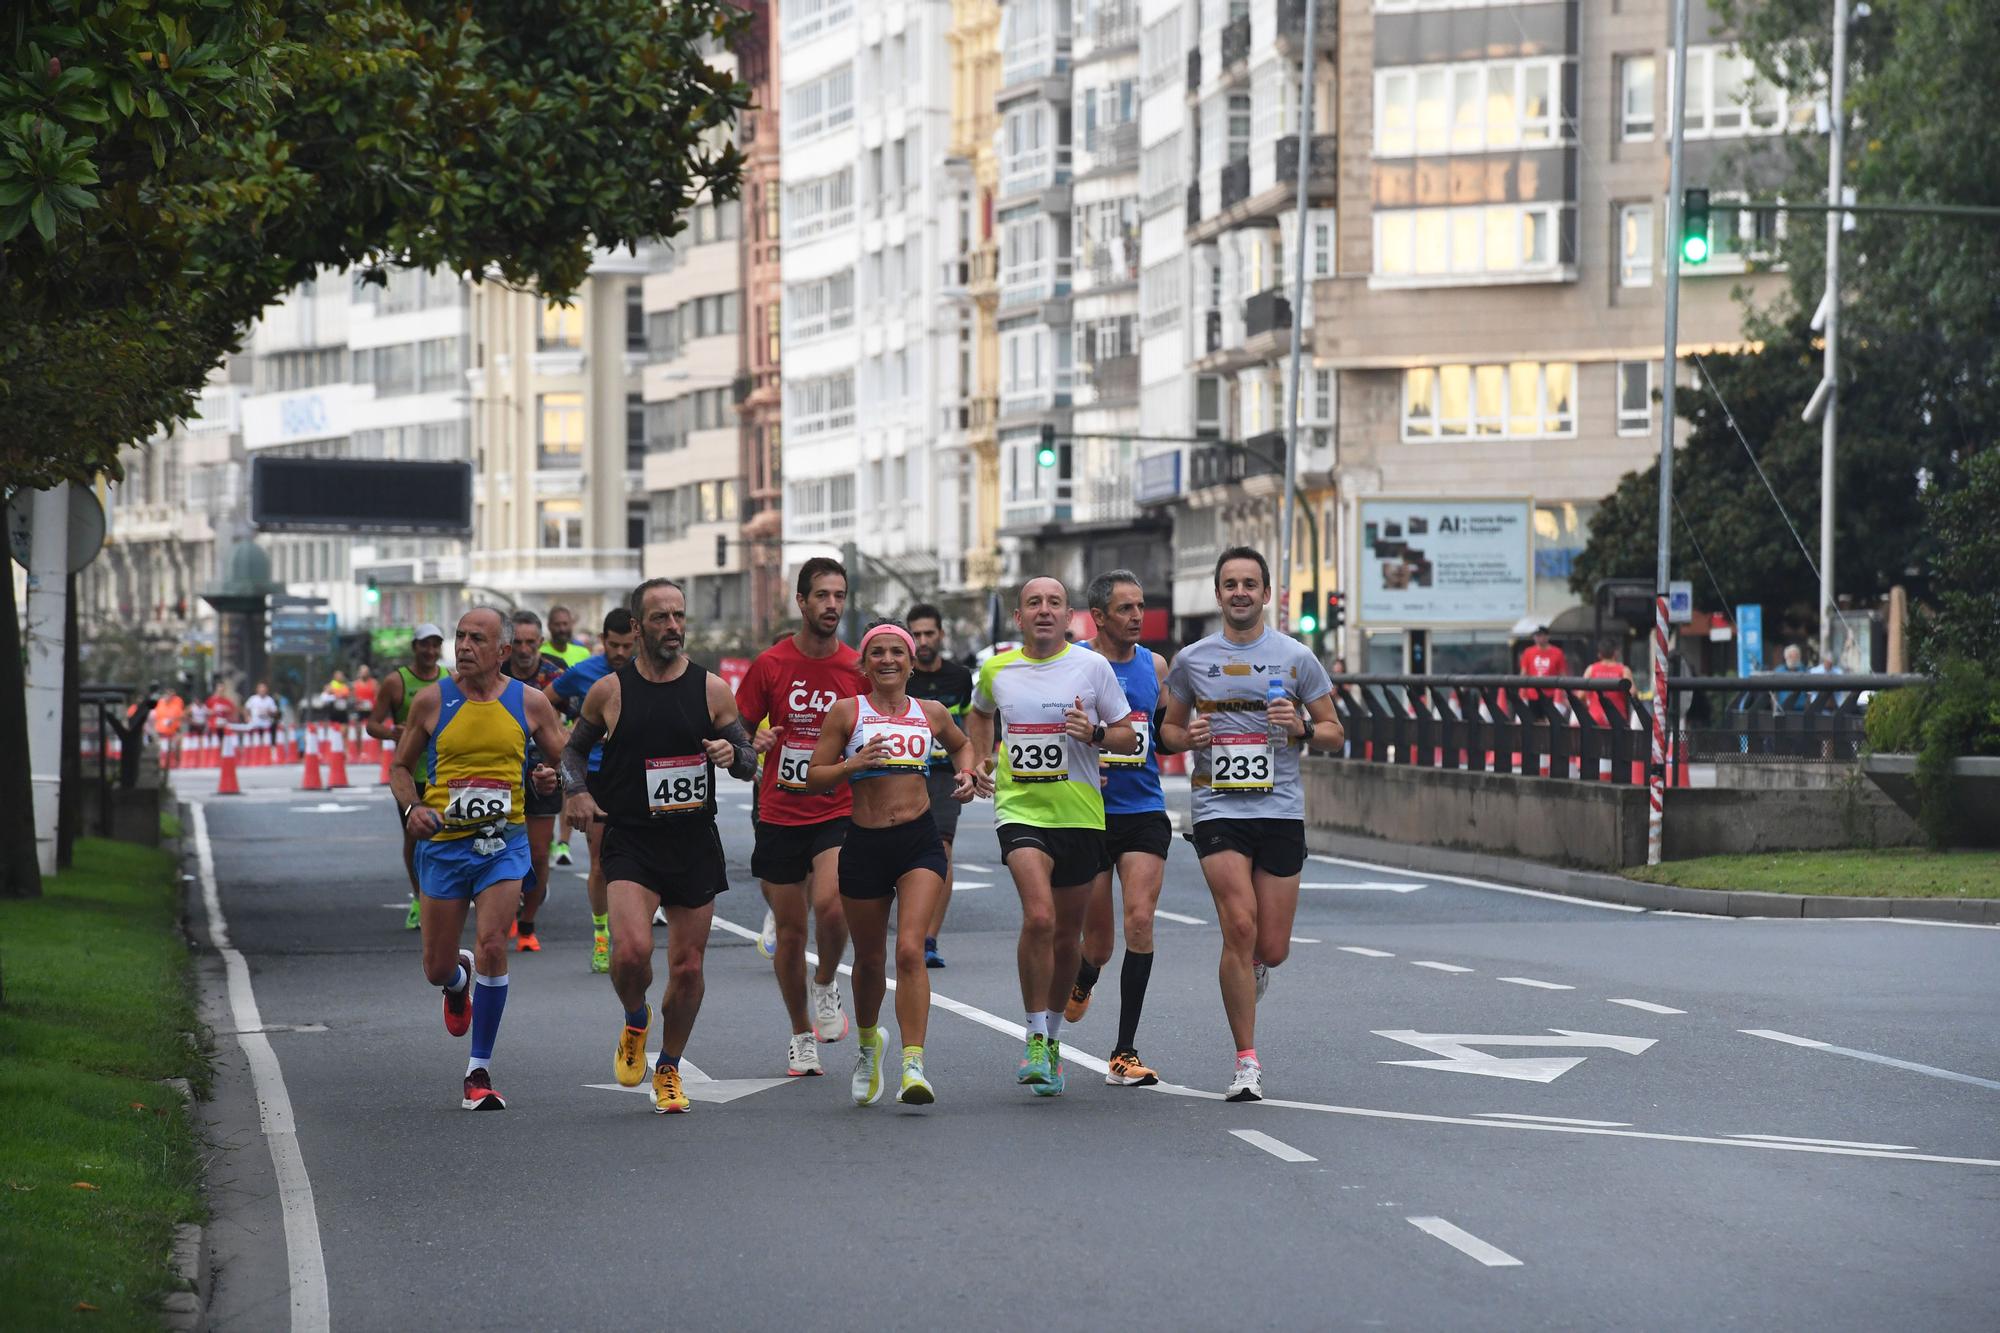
[
  {"x": 635, "y": 523},
  {"x": 772, "y": 318},
  {"x": 1635, "y": 245},
  {"x": 1499, "y": 239},
  {"x": 1635, "y": 397},
  {"x": 635, "y": 432},
  {"x": 562, "y": 328},
  {"x": 559, "y": 436},
  {"x": 1725, "y": 98},
  {"x": 1160, "y": 296},
  {"x": 1738, "y": 236},
  {"x": 1467, "y": 108},
  {"x": 1635, "y": 97},
  {"x": 1239, "y": 127},
  {"x": 561, "y": 524},
  {"x": 819, "y": 505},
  {"x": 821, "y": 305},
  {"x": 1161, "y": 56},
  {"x": 635, "y": 318},
  {"x": 1522, "y": 400},
  {"x": 820, "y": 404},
  {"x": 825, "y": 103},
  {"x": 823, "y": 204},
  {"x": 1160, "y": 175}
]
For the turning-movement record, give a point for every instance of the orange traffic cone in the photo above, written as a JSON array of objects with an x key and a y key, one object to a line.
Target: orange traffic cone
[
  {"x": 226, "y": 785},
  {"x": 336, "y": 758},
  {"x": 312, "y": 782}
]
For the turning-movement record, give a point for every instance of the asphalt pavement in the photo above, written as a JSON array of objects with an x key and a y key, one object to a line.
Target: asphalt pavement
[{"x": 1489, "y": 1108}]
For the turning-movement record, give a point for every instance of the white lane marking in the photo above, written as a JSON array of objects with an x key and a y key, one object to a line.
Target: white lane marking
[
  {"x": 1699, "y": 916},
  {"x": 970, "y": 884},
  {"x": 1483, "y": 884},
  {"x": 1830, "y": 1143},
  {"x": 1459, "y": 1055},
  {"x": 1284, "y": 1152},
  {"x": 1181, "y": 917},
  {"x": 274, "y": 1105},
  {"x": 1538, "y": 985},
  {"x": 1911, "y": 1065},
  {"x": 1442, "y": 967},
  {"x": 1366, "y": 953},
  {"x": 1464, "y": 1242},
  {"x": 1302, "y": 939},
  {"x": 1558, "y": 1120},
  {"x": 973, "y": 866},
  {"x": 1367, "y": 886},
  {"x": 326, "y": 808},
  {"x": 1648, "y": 1006},
  {"x": 1914, "y": 921}
]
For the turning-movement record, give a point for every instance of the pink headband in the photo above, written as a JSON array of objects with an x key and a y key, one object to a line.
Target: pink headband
[{"x": 896, "y": 630}]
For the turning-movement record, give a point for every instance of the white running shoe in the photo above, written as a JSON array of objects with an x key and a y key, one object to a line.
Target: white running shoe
[
  {"x": 1248, "y": 1085},
  {"x": 767, "y": 938},
  {"x": 1263, "y": 976},
  {"x": 803, "y": 1057},
  {"x": 867, "y": 1085},
  {"x": 829, "y": 1019}
]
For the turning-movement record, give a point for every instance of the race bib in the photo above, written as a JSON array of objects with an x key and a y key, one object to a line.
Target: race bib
[
  {"x": 1240, "y": 763},
  {"x": 1038, "y": 752},
  {"x": 1142, "y": 724},
  {"x": 677, "y": 785},
  {"x": 909, "y": 747},
  {"x": 793, "y": 761},
  {"x": 473, "y": 801}
]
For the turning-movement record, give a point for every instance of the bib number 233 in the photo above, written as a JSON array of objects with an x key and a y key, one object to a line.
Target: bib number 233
[
  {"x": 1240, "y": 763},
  {"x": 677, "y": 785}
]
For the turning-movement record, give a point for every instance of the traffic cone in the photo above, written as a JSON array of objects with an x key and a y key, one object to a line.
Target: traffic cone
[
  {"x": 226, "y": 786},
  {"x": 336, "y": 757},
  {"x": 312, "y": 782}
]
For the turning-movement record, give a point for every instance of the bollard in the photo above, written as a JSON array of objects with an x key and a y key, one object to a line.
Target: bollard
[
  {"x": 311, "y": 782},
  {"x": 336, "y": 757},
  {"x": 226, "y": 785}
]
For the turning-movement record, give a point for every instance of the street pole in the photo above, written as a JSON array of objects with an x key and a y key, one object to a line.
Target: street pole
[
  {"x": 1301, "y": 251},
  {"x": 1829, "y": 426},
  {"x": 1656, "y": 774},
  {"x": 48, "y": 583}
]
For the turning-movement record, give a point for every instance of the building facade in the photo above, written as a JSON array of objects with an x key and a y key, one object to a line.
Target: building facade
[{"x": 767, "y": 596}]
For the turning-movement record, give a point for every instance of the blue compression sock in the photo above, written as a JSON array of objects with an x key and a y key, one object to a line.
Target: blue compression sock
[
  {"x": 489, "y": 1001},
  {"x": 669, "y": 1061},
  {"x": 641, "y": 1018}
]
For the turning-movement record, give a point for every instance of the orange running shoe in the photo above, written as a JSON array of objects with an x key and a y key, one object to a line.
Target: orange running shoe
[
  {"x": 1079, "y": 1004},
  {"x": 527, "y": 943},
  {"x": 1126, "y": 1071}
]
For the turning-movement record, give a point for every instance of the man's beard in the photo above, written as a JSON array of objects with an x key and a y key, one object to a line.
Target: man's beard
[{"x": 664, "y": 653}]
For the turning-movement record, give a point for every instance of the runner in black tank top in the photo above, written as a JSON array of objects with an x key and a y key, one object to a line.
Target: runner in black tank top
[{"x": 666, "y": 722}]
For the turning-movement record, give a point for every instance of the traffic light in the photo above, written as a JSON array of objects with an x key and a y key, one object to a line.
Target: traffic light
[
  {"x": 1336, "y": 613},
  {"x": 721, "y": 551},
  {"x": 1308, "y": 618},
  {"x": 373, "y": 594},
  {"x": 1694, "y": 227},
  {"x": 1046, "y": 455}
]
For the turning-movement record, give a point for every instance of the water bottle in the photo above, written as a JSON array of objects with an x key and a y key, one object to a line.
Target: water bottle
[{"x": 1280, "y": 738}]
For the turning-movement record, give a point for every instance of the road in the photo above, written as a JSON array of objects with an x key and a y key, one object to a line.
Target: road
[{"x": 1645, "y": 1120}]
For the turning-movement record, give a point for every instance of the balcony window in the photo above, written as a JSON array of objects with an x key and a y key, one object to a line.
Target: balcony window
[
  {"x": 1520, "y": 400},
  {"x": 823, "y": 104},
  {"x": 635, "y": 432},
  {"x": 560, "y": 523},
  {"x": 559, "y": 433},
  {"x": 635, "y": 318},
  {"x": 635, "y": 523},
  {"x": 819, "y": 506},
  {"x": 821, "y": 305},
  {"x": 1726, "y": 99},
  {"x": 818, "y": 405},
  {"x": 821, "y": 205},
  {"x": 1635, "y": 245},
  {"x": 1034, "y": 39},
  {"x": 1479, "y": 107},
  {"x": 562, "y": 328},
  {"x": 1494, "y": 240},
  {"x": 1160, "y": 296},
  {"x": 1635, "y": 98},
  {"x": 807, "y": 19}
]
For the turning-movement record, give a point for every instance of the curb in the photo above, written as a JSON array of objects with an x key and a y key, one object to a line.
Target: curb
[
  {"x": 1597, "y": 886},
  {"x": 185, "y": 1310}
]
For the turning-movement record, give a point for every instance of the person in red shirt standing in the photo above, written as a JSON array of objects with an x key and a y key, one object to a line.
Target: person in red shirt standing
[
  {"x": 1541, "y": 658},
  {"x": 1607, "y": 667},
  {"x": 221, "y": 711},
  {"x": 791, "y": 685}
]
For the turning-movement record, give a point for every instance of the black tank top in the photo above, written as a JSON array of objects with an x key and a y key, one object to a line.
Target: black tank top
[{"x": 654, "y": 768}]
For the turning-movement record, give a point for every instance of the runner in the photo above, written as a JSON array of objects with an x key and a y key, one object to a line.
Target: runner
[
  {"x": 664, "y": 723},
  {"x": 1056, "y": 706},
  {"x": 797, "y": 857},
  {"x": 386, "y": 721},
  {"x": 938, "y": 678},
  {"x": 527, "y": 663},
  {"x": 1137, "y": 832},
  {"x": 260, "y": 710},
  {"x": 1234, "y": 698},
  {"x": 471, "y": 731},
  {"x": 880, "y": 746},
  {"x": 564, "y": 653},
  {"x": 621, "y": 639}
]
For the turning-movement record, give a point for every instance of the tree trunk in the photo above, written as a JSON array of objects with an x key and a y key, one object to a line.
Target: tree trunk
[
  {"x": 20, "y": 875},
  {"x": 69, "y": 798}
]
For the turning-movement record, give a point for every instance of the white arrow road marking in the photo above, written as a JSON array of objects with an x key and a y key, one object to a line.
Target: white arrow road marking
[
  {"x": 1181, "y": 917},
  {"x": 699, "y": 1086},
  {"x": 1367, "y": 886},
  {"x": 1464, "y": 1242},
  {"x": 1648, "y": 1006},
  {"x": 1284, "y": 1152},
  {"x": 1488, "y": 884},
  {"x": 1461, "y": 1058},
  {"x": 325, "y": 808},
  {"x": 1869, "y": 1056}
]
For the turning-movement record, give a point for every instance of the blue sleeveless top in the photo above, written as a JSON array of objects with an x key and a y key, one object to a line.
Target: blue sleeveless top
[{"x": 1132, "y": 782}]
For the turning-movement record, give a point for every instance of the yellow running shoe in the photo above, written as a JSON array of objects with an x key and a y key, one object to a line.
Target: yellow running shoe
[
  {"x": 600, "y": 952},
  {"x": 630, "y": 1062},
  {"x": 667, "y": 1094}
]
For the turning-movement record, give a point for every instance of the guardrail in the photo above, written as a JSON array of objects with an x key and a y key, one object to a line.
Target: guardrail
[
  {"x": 1786, "y": 716},
  {"x": 1533, "y": 726}
]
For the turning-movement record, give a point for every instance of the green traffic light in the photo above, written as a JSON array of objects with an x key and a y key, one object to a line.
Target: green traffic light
[
  {"x": 1046, "y": 456},
  {"x": 1308, "y": 623},
  {"x": 1694, "y": 250}
]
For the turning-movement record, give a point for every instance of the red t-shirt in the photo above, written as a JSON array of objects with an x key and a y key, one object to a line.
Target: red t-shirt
[
  {"x": 1536, "y": 661},
  {"x": 1606, "y": 671},
  {"x": 221, "y": 712},
  {"x": 794, "y": 692}
]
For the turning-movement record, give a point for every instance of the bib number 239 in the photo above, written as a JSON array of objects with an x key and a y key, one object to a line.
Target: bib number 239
[
  {"x": 1240, "y": 763},
  {"x": 1038, "y": 752},
  {"x": 676, "y": 785}
]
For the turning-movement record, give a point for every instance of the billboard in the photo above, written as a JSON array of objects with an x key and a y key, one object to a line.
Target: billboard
[
  {"x": 1444, "y": 561},
  {"x": 355, "y": 495}
]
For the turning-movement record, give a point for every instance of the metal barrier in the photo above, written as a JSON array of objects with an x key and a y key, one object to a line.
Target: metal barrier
[
  {"x": 1534, "y": 726},
  {"x": 1790, "y": 717}
]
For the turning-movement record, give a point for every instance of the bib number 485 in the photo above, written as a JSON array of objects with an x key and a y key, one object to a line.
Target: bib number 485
[{"x": 677, "y": 785}]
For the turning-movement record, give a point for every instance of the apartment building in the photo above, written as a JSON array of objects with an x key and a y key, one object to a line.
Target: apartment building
[
  {"x": 762, "y": 558},
  {"x": 559, "y": 422}
]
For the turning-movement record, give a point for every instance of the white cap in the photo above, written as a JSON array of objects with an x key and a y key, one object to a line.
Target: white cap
[{"x": 426, "y": 631}]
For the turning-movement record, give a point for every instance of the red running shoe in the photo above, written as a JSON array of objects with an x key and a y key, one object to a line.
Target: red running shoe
[
  {"x": 479, "y": 1094},
  {"x": 458, "y": 1004}
]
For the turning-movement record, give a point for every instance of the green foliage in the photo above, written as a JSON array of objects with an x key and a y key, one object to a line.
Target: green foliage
[
  {"x": 169, "y": 169},
  {"x": 1895, "y": 721},
  {"x": 1962, "y": 619},
  {"x": 1961, "y": 717}
]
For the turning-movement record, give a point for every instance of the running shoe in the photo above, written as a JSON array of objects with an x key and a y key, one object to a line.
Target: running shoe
[
  {"x": 1078, "y": 1006},
  {"x": 1034, "y": 1070},
  {"x": 667, "y": 1094},
  {"x": 1127, "y": 1071},
  {"x": 916, "y": 1089},
  {"x": 1263, "y": 976},
  {"x": 528, "y": 943},
  {"x": 829, "y": 1019},
  {"x": 867, "y": 1083},
  {"x": 559, "y": 853},
  {"x": 1054, "y": 1086},
  {"x": 1248, "y": 1085},
  {"x": 803, "y": 1057},
  {"x": 416, "y": 917},
  {"x": 629, "y": 1064},
  {"x": 932, "y": 958},
  {"x": 600, "y": 951},
  {"x": 458, "y": 1004},
  {"x": 479, "y": 1094},
  {"x": 767, "y": 938}
]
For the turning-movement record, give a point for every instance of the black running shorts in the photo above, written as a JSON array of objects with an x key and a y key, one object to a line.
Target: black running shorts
[
  {"x": 1078, "y": 853},
  {"x": 1151, "y": 833},
  {"x": 682, "y": 862},
  {"x": 941, "y": 779},
  {"x": 1274, "y": 846},
  {"x": 785, "y": 853},
  {"x": 873, "y": 859}
]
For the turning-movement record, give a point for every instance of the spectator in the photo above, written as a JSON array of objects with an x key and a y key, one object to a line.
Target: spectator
[
  {"x": 364, "y": 690},
  {"x": 1793, "y": 663},
  {"x": 1828, "y": 665},
  {"x": 1608, "y": 667},
  {"x": 1541, "y": 658}
]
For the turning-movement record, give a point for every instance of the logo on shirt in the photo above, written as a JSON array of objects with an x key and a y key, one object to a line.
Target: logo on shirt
[{"x": 804, "y": 699}]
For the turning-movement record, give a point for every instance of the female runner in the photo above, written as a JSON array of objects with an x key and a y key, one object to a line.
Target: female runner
[{"x": 880, "y": 743}]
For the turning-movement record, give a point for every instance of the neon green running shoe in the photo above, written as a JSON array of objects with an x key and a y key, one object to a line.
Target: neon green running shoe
[
  {"x": 916, "y": 1089},
  {"x": 1034, "y": 1069},
  {"x": 600, "y": 952},
  {"x": 866, "y": 1085},
  {"x": 416, "y": 917},
  {"x": 1053, "y": 1085}
]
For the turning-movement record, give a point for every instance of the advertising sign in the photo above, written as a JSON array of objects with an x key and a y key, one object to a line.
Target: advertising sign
[
  {"x": 1444, "y": 561},
  {"x": 1749, "y": 640}
]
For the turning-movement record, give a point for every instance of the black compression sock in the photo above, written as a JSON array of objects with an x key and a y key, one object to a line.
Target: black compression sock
[
  {"x": 1087, "y": 973},
  {"x": 1132, "y": 979}
]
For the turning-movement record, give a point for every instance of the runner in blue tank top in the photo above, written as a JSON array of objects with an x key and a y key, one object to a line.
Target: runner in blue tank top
[{"x": 1137, "y": 832}]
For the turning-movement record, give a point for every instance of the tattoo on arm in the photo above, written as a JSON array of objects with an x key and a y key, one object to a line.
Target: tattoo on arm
[
  {"x": 576, "y": 755},
  {"x": 743, "y": 765}
]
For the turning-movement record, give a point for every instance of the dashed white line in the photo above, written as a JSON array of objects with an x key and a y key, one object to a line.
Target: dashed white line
[
  {"x": 1181, "y": 917},
  {"x": 1301, "y": 939},
  {"x": 1932, "y": 1070},
  {"x": 1827, "y": 1143},
  {"x": 1699, "y": 916},
  {"x": 1648, "y": 1006},
  {"x": 1442, "y": 967},
  {"x": 973, "y": 866},
  {"x": 1366, "y": 953},
  {"x": 1483, "y": 884},
  {"x": 1538, "y": 985},
  {"x": 1284, "y": 1152},
  {"x": 1557, "y": 1120},
  {"x": 1464, "y": 1242}
]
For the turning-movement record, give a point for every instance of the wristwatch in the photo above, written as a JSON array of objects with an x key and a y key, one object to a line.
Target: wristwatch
[
  {"x": 406, "y": 811},
  {"x": 1097, "y": 734},
  {"x": 1306, "y": 737}
]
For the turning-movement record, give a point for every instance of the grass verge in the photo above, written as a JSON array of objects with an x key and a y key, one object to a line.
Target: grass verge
[
  {"x": 1897, "y": 872},
  {"x": 98, "y": 1160}
]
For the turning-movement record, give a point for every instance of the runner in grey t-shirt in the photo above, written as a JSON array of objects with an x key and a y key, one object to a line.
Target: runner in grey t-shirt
[{"x": 1225, "y": 697}]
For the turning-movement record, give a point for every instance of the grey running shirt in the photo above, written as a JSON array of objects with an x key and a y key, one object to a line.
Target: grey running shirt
[{"x": 1229, "y": 682}]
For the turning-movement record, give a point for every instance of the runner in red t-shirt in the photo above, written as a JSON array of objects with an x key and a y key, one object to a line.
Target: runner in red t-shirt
[
  {"x": 1541, "y": 658},
  {"x": 791, "y": 685},
  {"x": 1608, "y": 667}
]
